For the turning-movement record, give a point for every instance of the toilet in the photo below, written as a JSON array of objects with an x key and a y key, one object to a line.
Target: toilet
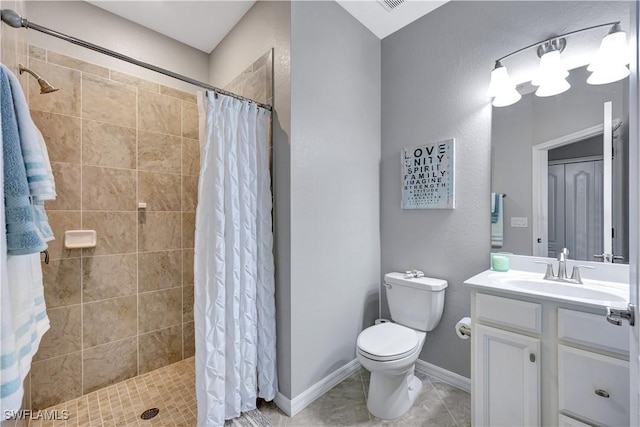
[{"x": 390, "y": 350}]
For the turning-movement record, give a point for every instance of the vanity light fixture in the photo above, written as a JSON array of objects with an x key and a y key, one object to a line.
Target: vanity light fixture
[
  {"x": 609, "y": 65},
  {"x": 501, "y": 88},
  {"x": 551, "y": 77}
]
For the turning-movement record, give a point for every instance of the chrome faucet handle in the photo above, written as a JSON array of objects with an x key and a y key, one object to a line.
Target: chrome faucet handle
[
  {"x": 575, "y": 274},
  {"x": 548, "y": 274}
]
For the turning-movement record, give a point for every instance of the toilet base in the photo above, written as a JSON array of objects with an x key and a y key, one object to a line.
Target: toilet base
[{"x": 391, "y": 396}]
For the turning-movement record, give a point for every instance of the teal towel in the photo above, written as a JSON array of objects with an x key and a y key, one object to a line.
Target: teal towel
[
  {"x": 22, "y": 235},
  {"x": 40, "y": 186},
  {"x": 497, "y": 225},
  {"x": 42, "y": 222},
  {"x": 497, "y": 197}
]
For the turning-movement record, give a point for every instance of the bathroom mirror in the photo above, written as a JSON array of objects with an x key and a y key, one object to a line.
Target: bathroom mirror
[{"x": 564, "y": 208}]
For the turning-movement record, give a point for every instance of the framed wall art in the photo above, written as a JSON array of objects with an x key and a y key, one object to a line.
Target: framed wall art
[{"x": 428, "y": 176}]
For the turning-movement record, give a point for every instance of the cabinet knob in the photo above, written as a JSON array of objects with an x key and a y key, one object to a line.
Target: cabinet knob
[
  {"x": 602, "y": 393},
  {"x": 532, "y": 357}
]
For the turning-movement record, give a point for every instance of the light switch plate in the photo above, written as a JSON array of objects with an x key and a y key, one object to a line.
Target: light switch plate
[{"x": 519, "y": 222}]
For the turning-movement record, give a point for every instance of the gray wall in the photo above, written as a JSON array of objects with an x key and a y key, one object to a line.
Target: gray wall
[
  {"x": 511, "y": 157},
  {"x": 88, "y": 22},
  {"x": 435, "y": 73},
  {"x": 335, "y": 155},
  {"x": 266, "y": 26}
]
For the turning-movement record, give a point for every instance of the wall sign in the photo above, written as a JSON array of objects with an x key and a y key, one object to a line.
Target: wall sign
[{"x": 428, "y": 176}]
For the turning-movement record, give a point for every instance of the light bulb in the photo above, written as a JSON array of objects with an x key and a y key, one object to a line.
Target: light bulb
[
  {"x": 610, "y": 63},
  {"x": 499, "y": 79},
  {"x": 553, "y": 87},
  {"x": 501, "y": 88},
  {"x": 603, "y": 76},
  {"x": 507, "y": 97},
  {"x": 550, "y": 69},
  {"x": 613, "y": 50}
]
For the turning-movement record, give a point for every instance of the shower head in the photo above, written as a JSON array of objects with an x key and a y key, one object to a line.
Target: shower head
[{"x": 45, "y": 86}]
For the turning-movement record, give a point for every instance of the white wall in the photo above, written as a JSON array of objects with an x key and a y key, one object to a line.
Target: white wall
[
  {"x": 335, "y": 155},
  {"x": 435, "y": 73},
  {"x": 90, "y": 23}
]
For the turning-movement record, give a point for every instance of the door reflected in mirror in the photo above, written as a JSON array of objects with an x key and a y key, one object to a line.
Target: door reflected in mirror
[{"x": 548, "y": 156}]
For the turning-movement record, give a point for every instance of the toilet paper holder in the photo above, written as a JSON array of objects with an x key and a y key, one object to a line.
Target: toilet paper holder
[{"x": 464, "y": 330}]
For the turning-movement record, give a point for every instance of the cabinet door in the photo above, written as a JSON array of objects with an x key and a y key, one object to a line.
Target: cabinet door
[{"x": 506, "y": 378}]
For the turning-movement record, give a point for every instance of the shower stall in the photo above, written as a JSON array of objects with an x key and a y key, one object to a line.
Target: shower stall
[{"x": 125, "y": 156}]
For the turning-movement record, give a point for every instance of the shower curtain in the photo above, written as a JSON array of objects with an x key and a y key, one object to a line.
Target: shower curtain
[{"x": 234, "y": 304}]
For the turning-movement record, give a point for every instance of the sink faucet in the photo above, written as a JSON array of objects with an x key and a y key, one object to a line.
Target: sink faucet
[
  {"x": 562, "y": 264},
  {"x": 562, "y": 269}
]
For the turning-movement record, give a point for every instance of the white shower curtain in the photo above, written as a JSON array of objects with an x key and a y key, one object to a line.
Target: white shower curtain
[{"x": 234, "y": 304}]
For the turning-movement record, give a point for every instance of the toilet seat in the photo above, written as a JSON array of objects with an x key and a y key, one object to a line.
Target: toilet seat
[{"x": 387, "y": 341}]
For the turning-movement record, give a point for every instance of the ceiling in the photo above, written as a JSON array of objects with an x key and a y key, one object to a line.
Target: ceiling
[
  {"x": 199, "y": 24},
  {"x": 203, "y": 24},
  {"x": 381, "y": 20}
]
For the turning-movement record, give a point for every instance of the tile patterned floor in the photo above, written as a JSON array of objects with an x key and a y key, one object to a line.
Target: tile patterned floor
[
  {"x": 439, "y": 404},
  {"x": 172, "y": 390}
]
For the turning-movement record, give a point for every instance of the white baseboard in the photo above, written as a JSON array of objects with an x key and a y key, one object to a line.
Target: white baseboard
[
  {"x": 451, "y": 378},
  {"x": 292, "y": 406},
  {"x": 283, "y": 403}
]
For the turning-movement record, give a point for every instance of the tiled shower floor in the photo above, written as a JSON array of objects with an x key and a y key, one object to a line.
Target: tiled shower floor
[{"x": 172, "y": 390}]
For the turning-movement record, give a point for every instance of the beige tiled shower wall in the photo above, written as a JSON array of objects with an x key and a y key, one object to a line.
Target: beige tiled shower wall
[
  {"x": 256, "y": 81},
  {"x": 125, "y": 307},
  {"x": 13, "y": 42}
]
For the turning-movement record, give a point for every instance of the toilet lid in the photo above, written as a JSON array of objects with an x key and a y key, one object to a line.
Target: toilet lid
[{"x": 387, "y": 341}]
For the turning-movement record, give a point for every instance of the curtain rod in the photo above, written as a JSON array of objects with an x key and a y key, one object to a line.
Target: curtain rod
[{"x": 14, "y": 20}]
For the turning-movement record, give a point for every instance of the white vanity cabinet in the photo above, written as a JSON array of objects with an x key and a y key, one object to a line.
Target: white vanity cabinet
[
  {"x": 506, "y": 364},
  {"x": 507, "y": 381},
  {"x": 544, "y": 362},
  {"x": 593, "y": 369}
]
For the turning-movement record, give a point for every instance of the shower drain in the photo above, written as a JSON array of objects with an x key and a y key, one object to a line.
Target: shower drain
[{"x": 149, "y": 413}]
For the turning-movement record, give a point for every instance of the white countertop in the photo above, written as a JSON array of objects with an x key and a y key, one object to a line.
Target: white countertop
[{"x": 605, "y": 286}]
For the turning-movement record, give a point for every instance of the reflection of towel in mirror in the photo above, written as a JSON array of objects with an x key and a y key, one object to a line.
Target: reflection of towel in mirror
[
  {"x": 495, "y": 207},
  {"x": 497, "y": 223}
]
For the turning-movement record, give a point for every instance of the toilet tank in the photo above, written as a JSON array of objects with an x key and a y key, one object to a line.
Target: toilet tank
[{"x": 415, "y": 302}]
